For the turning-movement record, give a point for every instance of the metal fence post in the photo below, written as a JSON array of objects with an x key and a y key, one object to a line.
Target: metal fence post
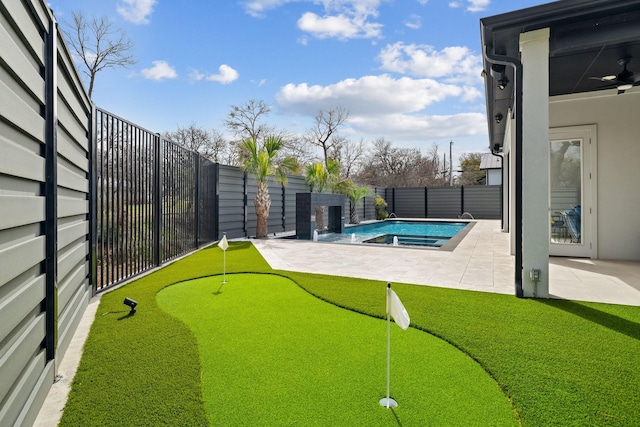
[
  {"x": 246, "y": 209},
  {"x": 426, "y": 202},
  {"x": 197, "y": 196},
  {"x": 157, "y": 200},
  {"x": 51, "y": 192},
  {"x": 216, "y": 201},
  {"x": 284, "y": 203},
  {"x": 93, "y": 202}
]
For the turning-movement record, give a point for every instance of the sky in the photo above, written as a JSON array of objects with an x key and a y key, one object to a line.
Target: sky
[{"x": 405, "y": 70}]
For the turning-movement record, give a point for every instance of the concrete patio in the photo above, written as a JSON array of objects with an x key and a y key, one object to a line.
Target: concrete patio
[{"x": 480, "y": 262}]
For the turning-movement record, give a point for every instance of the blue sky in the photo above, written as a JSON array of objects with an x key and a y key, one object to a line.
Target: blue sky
[{"x": 406, "y": 70}]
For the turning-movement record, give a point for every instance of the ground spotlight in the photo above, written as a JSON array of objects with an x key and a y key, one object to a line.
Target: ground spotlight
[{"x": 130, "y": 303}]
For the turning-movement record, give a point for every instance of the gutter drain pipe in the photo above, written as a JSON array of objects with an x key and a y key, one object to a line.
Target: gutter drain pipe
[{"x": 516, "y": 64}]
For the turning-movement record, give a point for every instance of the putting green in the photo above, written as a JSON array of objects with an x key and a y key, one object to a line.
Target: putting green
[{"x": 272, "y": 354}]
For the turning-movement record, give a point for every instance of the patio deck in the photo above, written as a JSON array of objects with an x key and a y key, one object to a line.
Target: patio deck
[{"x": 481, "y": 262}]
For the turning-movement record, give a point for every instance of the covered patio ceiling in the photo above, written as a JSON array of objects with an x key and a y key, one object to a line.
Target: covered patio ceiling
[{"x": 588, "y": 39}]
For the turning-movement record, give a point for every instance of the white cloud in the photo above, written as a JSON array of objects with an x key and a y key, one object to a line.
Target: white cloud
[
  {"x": 367, "y": 95},
  {"x": 195, "y": 75},
  {"x": 161, "y": 70},
  {"x": 342, "y": 19},
  {"x": 414, "y": 22},
  {"x": 225, "y": 75},
  {"x": 478, "y": 5},
  {"x": 396, "y": 108},
  {"x": 136, "y": 11},
  {"x": 258, "y": 8},
  {"x": 422, "y": 127},
  {"x": 338, "y": 26},
  {"x": 454, "y": 64},
  {"x": 472, "y": 5}
]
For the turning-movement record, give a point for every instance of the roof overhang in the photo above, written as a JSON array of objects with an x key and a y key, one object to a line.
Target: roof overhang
[{"x": 587, "y": 38}]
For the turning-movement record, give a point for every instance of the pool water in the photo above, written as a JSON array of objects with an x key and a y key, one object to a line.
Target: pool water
[{"x": 405, "y": 233}]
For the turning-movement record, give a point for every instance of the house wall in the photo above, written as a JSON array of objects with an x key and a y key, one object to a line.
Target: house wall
[
  {"x": 494, "y": 176},
  {"x": 618, "y": 232}
]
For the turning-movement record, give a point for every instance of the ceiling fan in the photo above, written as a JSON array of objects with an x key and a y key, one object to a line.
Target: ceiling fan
[{"x": 623, "y": 81}]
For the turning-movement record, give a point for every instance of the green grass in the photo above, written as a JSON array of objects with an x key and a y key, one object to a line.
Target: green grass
[
  {"x": 272, "y": 354},
  {"x": 559, "y": 362}
]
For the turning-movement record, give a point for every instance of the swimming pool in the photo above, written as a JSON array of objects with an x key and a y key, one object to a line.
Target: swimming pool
[{"x": 433, "y": 234}]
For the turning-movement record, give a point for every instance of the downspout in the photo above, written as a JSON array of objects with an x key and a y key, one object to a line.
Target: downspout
[
  {"x": 501, "y": 185},
  {"x": 517, "y": 66}
]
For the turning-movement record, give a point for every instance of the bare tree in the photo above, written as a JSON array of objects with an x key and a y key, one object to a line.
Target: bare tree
[
  {"x": 351, "y": 155},
  {"x": 245, "y": 121},
  {"x": 98, "y": 45},
  {"x": 389, "y": 166},
  {"x": 299, "y": 149},
  {"x": 322, "y": 133},
  {"x": 210, "y": 144}
]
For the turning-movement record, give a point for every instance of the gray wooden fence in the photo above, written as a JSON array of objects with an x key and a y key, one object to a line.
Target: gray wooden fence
[
  {"x": 45, "y": 237},
  {"x": 481, "y": 201}
]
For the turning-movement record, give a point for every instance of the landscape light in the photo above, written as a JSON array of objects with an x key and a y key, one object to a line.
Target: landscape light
[{"x": 131, "y": 304}]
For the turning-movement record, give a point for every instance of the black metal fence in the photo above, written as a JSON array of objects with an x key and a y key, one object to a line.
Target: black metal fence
[
  {"x": 157, "y": 200},
  {"x": 154, "y": 199}
]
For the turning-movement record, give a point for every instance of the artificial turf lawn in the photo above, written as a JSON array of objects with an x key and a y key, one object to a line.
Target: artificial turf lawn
[
  {"x": 560, "y": 362},
  {"x": 272, "y": 354}
]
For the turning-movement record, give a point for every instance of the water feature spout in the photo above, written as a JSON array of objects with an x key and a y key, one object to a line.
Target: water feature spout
[
  {"x": 395, "y": 240},
  {"x": 315, "y": 235},
  {"x": 353, "y": 238}
]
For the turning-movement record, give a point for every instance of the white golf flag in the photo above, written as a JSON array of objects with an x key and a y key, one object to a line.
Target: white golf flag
[
  {"x": 397, "y": 310},
  {"x": 223, "y": 243}
]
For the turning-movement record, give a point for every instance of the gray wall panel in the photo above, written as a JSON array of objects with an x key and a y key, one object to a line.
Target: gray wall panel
[
  {"x": 444, "y": 202},
  {"x": 17, "y": 304},
  {"x": 22, "y": 405},
  {"x": 20, "y": 257},
  {"x": 20, "y": 210},
  {"x": 482, "y": 201},
  {"x": 70, "y": 317},
  {"x": 19, "y": 351},
  {"x": 19, "y": 63},
  {"x": 20, "y": 162},
  {"x": 409, "y": 202}
]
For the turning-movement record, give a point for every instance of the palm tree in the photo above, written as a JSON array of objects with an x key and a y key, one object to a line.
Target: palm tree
[
  {"x": 319, "y": 176},
  {"x": 262, "y": 163},
  {"x": 354, "y": 194}
]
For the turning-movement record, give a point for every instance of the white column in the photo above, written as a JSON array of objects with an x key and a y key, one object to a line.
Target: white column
[{"x": 534, "y": 48}]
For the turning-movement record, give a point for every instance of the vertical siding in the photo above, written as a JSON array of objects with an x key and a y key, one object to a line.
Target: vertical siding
[{"x": 40, "y": 124}]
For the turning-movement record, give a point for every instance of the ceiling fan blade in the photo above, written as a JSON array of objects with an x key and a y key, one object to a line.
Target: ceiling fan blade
[{"x": 604, "y": 79}]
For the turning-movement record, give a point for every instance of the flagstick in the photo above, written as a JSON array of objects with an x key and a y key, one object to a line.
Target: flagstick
[
  {"x": 224, "y": 267},
  {"x": 224, "y": 245},
  {"x": 388, "y": 402}
]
